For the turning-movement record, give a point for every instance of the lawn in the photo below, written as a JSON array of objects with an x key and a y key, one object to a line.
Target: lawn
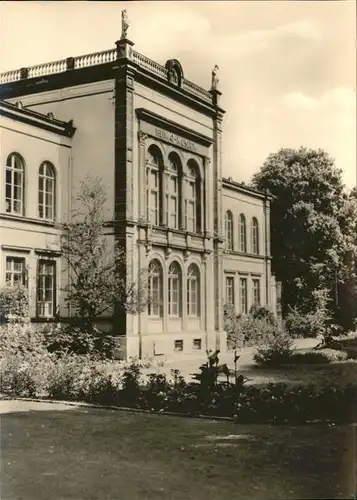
[{"x": 87, "y": 453}]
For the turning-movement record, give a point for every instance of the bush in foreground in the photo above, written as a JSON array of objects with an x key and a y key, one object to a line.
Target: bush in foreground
[
  {"x": 275, "y": 347},
  {"x": 318, "y": 357}
]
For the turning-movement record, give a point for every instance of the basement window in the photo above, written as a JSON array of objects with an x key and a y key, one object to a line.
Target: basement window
[
  {"x": 178, "y": 345},
  {"x": 197, "y": 344}
]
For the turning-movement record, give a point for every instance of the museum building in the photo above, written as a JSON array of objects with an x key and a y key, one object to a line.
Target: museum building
[{"x": 155, "y": 139}]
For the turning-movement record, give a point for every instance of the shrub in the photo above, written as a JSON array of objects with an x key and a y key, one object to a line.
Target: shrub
[
  {"x": 235, "y": 334},
  {"x": 275, "y": 347},
  {"x": 14, "y": 303},
  {"x": 73, "y": 339},
  {"x": 317, "y": 357},
  {"x": 262, "y": 313}
]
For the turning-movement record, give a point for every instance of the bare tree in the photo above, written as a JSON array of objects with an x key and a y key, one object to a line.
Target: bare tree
[{"x": 97, "y": 261}]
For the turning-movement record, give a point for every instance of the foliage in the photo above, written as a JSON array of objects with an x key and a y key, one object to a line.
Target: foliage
[
  {"x": 310, "y": 324},
  {"x": 317, "y": 357},
  {"x": 275, "y": 347},
  {"x": 262, "y": 313},
  {"x": 70, "y": 338},
  {"x": 99, "y": 278},
  {"x": 248, "y": 330},
  {"x": 313, "y": 224},
  {"x": 14, "y": 303},
  {"x": 235, "y": 335}
]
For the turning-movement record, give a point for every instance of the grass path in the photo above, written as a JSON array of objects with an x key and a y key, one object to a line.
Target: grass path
[{"x": 90, "y": 454}]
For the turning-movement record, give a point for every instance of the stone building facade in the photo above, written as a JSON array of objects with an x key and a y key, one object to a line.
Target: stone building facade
[{"x": 155, "y": 138}]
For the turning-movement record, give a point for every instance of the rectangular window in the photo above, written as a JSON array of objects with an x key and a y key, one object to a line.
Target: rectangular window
[
  {"x": 178, "y": 346},
  {"x": 230, "y": 290},
  {"x": 15, "y": 271},
  {"x": 197, "y": 344},
  {"x": 46, "y": 288},
  {"x": 243, "y": 296},
  {"x": 256, "y": 292}
]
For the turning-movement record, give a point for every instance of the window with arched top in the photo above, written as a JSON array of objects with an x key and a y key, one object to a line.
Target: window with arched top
[
  {"x": 155, "y": 288},
  {"x": 15, "y": 184},
  {"x": 46, "y": 191},
  {"x": 229, "y": 230},
  {"x": 193, "y": 198},
  {"x": 255, "y": 236},
  {"x": 173, "y": 192},
  {"x": 193, "y": 291},
  {"x": 242, "y": 233},
  {"x": 174, "y": 290},
  {"x": 153, "y": 185}
]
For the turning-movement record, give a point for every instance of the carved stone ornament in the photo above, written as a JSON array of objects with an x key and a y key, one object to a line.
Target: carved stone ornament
[
  {"x": 186, "y": 254},
  {"x": 124, "y": 24},
  {"x": 142, "y": 136},
  {"x": 168, "y": 252}
]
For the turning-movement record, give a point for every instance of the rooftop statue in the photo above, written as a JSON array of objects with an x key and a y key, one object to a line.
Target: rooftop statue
[
  {"x": 124, "y": 24},
  {"x": 215, "y": 78}
]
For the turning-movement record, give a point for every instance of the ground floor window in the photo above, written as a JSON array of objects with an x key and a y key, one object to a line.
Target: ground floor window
[
  {"x": 155, "y": 289},
  {"x": 243, "y": 292},
  {"x": 174, "y": 289},
  {"x": 46, "y": 288},
  {"x": 256, "y": 292},
  {"x": 193, "y": 295},
  {"x": 15, "y": 271},
  {"x": 230, "y": 290}
]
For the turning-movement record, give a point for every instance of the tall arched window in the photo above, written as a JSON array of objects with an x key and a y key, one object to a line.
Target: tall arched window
[
  {"x": 173, "y": 196},
  {"x": 14, "y": 184},
  {"x": 153, "y": 186},
  {"x": 46, "y": 191},
  {"x": 242, "y": 234},
  {"x": 174, "y": 289},
  {"x": 193, "y": 198},
  {"x": 229, "y": 229},
  {"x": 193, "y": 291},
  {"x": 155, "y": 288},
  {"x": 255, "y": 236}
]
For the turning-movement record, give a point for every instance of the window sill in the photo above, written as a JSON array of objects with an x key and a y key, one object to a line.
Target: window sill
[{"x": 27, "y": 220}]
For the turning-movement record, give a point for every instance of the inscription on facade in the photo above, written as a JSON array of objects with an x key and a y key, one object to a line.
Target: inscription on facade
[{"x": 174, "y": 139}]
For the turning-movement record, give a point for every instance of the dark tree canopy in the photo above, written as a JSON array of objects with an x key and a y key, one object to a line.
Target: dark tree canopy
[{"x": 312, "y": 223}]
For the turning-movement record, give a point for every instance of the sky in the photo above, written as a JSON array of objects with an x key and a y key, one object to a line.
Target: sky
[{"x": 287, "y": 69}]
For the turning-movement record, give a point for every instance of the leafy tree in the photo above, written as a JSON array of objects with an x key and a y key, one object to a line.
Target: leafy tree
[
  {"x": 312, "y": 224},
  {"x": 97, "y": 262}
]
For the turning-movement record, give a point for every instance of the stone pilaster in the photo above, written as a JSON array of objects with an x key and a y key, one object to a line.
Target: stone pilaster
[
  {"x": 124, "y": 74},
  {"x": 208, "y": 198},
  {"x": 142, "y": 177}
]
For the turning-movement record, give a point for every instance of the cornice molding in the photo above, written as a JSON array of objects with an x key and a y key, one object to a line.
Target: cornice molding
[{"x": 36, "y": 119}]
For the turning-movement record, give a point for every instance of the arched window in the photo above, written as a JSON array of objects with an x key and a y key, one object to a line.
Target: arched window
[
  {"x": 255, "y": 236},
  {"x": 14, "y": 184},
  {"x": 153, "y": 186},
  {"x": 173, "y": 196},
  {"x": 46, "y": 191},
  {"x": 242, "y": 234},
  {"x": 174, "y": 288},
  {"x": 155, "y": 288},
  {"x": 229, "y": 229},
  {"x": 193, "y": 291},
  {"x": 193, "y": 199}
]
